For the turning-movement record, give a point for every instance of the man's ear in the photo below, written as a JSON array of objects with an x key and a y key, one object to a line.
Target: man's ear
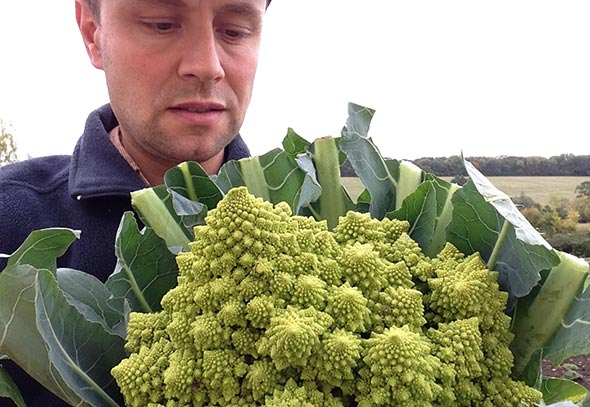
[{"x": 90, "y": 29}]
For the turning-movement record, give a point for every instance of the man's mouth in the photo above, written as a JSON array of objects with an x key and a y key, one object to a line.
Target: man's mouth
[
  {"x": 196, "y": 109},
  {"x": 199, "y": 114}
]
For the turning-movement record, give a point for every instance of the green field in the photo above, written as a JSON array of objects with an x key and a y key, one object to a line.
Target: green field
[{"x": 539, "y": 189}]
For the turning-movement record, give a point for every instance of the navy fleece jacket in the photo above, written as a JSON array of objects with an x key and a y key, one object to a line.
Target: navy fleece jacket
[{"x": 88, "y": 191}]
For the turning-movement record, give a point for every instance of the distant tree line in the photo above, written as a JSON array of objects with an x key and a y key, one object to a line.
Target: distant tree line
[{"x": 561, "y": 165}]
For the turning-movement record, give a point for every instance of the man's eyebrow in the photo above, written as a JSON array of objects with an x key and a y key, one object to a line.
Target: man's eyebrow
[
  {"x": 242, "y": 8},
  {"x": 173, "y": 3}
]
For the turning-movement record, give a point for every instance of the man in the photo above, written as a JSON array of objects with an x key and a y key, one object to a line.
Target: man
[{"x": 179, "y": 75}]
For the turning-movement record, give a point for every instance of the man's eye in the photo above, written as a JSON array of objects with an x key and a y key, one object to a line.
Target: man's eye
[
  {"x": 163, "y": 26},
  {"x": 233, "y": 33}
]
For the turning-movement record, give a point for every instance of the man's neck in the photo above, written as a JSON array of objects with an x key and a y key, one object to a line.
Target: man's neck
[{"x": 152, "y": 170}]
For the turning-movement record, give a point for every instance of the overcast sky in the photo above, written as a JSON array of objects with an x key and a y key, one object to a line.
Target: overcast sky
[{"x": 479, "y": 77}]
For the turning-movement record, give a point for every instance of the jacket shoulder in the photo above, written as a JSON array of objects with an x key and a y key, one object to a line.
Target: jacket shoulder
[{"x": 41, "y": 174}]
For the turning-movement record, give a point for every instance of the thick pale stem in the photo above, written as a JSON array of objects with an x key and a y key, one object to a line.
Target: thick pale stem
[
  {"x": 498, "y": 246},
  {"x": 254, "y": 178},
  {"x": 535, "y": 328},
  {"x": 156, "y": 215},
  {"x": 327, "y": 164}
]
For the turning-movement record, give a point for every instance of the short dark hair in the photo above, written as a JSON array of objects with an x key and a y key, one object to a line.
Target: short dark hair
[{"x": 96, "y": 8}]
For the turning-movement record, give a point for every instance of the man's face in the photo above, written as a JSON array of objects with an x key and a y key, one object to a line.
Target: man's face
[{"x": 179, "y": 72}]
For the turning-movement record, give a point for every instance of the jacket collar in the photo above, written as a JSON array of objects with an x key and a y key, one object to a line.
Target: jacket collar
[{"x": 97, "y": 168}]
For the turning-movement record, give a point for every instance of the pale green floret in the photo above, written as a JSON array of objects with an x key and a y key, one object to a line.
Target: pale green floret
[
  {"x": 329, "y": 270},
  {"x": 363, "y": 268},
  {"x": 179, "y": 329},
  {"x": 245, "y": 341},
  {"x": 396, "y": 307},
  {"x": 185, "y": 262},
  {"x": 262, "y": 379},
  {"x": 405, "y": 249},
  {"x": 208, "y": 333},
  {"x": 180, "y": 298},
  {"x": 337, "y": 358},
  {"x": 145, "y": 329},
  {"x": 449, "y": 252},
  {"x": 309, "y": 291},
  {"x": 181, "y": 375},
  {"x": 348, "y": 307},
  {"x": 393, "y": 228},
  {"x": 507, "y": 392},
  {"x": 458, "y": 345},
  {"x": 467, "y": 289},
  {"x": 140, "y": 376},
  {"x": 294, "y": 395},
  {"x": 292, "y": 337},
  {"x": 401, "y": 368},
  {"x": 326, "y": 245},
  {"x": 398, "y": 275},
  {"x": 261, "y": 309},
  {"x": 211, "y": 296},
  {"x": 358, "y": 227},
  {"x": 282, "y": 284},
  {"x": 222, "y": 370},
  {"x": 274, "y": 309},
  {"x": 233, "y": 313}
]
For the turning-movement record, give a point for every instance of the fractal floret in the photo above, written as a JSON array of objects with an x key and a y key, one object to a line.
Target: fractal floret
[{"x": 274, "y": 309}]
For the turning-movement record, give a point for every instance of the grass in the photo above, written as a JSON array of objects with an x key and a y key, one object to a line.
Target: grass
[{"x": 540, "y": 189}]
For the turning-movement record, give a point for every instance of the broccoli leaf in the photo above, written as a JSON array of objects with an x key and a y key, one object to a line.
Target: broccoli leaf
[
  {"x": 524, "y": 231},
  {"x": 42, "y": 247},
  {"x": 193, "y": 193},
  {"x": 294, "y": 144},
  {"x": 92, "y": 299},
  {"x": 19, "y": 338},
  {"x": 332, "y": 199},
  {"x": 9, "y": 390},
  {"x": 274, "y": 176},
  {"x": 156, "y": 209},
  {"x": 80, "y": 350},
  {"x": 429, "y": 210},
  {"x": 477, "y": 226},
  {"x": 145, "y": 269},
  {"x": 571, "y": 338},
  {"x": 556, "y": 390},
  {"x": 388, "y": 182}
]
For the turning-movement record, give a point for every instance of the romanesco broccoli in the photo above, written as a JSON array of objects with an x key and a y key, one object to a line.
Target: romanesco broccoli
[{"x": 276, "y": 310}]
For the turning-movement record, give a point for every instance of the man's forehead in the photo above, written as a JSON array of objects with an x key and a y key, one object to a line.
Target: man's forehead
[{"x": 186, "y": 3}]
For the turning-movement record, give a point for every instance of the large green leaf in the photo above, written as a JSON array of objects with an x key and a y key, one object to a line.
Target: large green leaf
[
  {"x": 19, "y": 338},
  {"x": 81, "y": 350},
  {"x": 429, "y": 211},
  {"x": 358, "y": 121},
  {"x": 571, "y": 338},
  {"x": 42, "y": 247},
  {"x": 92, "y": 299},
  {"x": 294, "y": 144},
  {"x": 274, "y": 177},
  {"x": 332, "y": 199},
  {"x": 559, "y": 390},
  {"x": 193, "y": 193},
  {"x": 155, "y": 208},
  {"x": 145, "y": 271},
  {"x": 524, "y": 231},
  {"x": 388, "y": 182},
  {"x": 477, "y": 226},
  {"x": 9, "y": 390}
]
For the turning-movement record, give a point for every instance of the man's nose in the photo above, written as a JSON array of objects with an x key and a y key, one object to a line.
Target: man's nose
[{"x": 200, "y": 57}]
